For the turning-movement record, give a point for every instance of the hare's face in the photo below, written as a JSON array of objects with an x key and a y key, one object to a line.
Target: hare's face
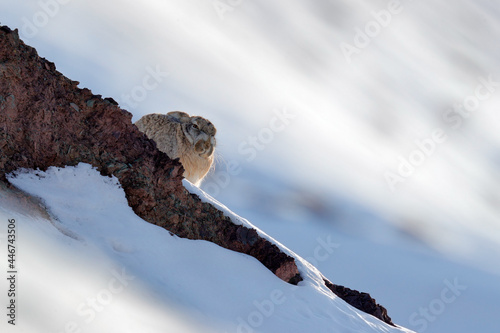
[{"x": 201, "y": 133}]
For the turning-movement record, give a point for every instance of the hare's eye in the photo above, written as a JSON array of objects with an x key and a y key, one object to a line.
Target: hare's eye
[{"x": 195, "y": 126}]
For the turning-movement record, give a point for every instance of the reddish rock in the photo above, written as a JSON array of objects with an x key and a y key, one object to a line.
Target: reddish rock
[
  {"x": 46, "y": 120},
  {"x": 361, "y": 301}
]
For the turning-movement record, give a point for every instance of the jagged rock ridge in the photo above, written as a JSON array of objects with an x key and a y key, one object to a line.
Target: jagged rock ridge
[{"x": 46, "y": 120}]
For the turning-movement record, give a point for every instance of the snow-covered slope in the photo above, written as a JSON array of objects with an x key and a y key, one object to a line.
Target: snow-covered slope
[{"x": 95, "y": 266}]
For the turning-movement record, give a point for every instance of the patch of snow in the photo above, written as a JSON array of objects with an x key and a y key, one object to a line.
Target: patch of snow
[{"x": 120, "y": 273}]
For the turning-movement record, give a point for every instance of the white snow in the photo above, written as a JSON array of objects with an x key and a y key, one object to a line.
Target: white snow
[{"x": 95, "y": 266}]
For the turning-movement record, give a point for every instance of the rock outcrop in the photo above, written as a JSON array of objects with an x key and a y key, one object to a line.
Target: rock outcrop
[
  {"x": 46, "y": 120},
  {"x": 361, "y": 301}
]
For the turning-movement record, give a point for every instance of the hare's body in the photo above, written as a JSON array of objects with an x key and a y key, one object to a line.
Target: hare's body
[{"x": 191, "y": 139}]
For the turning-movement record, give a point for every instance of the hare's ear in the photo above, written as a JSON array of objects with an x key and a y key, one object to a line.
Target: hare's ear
[
  {"x": 178, "y": 116},
  {"x": 207, "y": 126}
]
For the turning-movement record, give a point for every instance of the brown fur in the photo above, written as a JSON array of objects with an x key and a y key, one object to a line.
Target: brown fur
[{"x": 191, "y": 139}]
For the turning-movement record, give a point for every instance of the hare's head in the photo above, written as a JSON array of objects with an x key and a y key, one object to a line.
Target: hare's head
[{"x": 199, "y": 131}]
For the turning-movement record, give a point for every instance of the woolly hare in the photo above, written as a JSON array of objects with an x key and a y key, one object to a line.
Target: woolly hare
[{"x": 191, "y": 139}]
